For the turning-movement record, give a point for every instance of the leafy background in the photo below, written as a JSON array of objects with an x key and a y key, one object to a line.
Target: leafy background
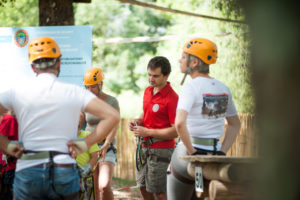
[{"x": 124, "y": 64}]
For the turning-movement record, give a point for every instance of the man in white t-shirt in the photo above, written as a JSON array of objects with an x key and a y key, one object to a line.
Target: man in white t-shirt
[
  {"x": 47, "y": 111},
  {"x": 203, "y": 105}
]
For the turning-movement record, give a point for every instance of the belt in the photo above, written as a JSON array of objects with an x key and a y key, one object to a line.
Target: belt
[
  {"x": 204, "y": 141},
  {"x": 159, "y": 158},
  {"x": 150, "y": 141},
  {"x": 180, "y": 177},
  {"x": 34, "y": 155},
  {"x": 47, "y": 165}
]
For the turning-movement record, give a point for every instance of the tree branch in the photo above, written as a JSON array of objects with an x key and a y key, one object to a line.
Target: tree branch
[{"x": 134, "y": 2}]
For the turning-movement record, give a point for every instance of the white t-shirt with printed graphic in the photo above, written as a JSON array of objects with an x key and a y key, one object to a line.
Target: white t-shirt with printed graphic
[
  {"x": 47, "y": 111},
  {"x": 208, "y": 102}
]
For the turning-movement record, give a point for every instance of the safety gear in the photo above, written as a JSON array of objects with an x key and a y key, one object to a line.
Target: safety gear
[
  {"x": 207, "y": 152},
  {"x": 93, "y": 76},
  {"x": 80, "y": 146},
  {"x": 43, "y": 47},
  {"x": 33, "y": 155},
  {"x": 204, "y": 141},
  {"x": 202, "y": 48},
  {"x": 84, "y": 170}
]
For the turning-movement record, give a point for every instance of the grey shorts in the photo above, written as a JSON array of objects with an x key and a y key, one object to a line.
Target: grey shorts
[
  {"x": 110, "y": 155},
  {"x": 153, "y": 174}
]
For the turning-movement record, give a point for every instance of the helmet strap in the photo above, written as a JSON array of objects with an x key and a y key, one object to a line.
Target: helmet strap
[
  {"x": 99, "y": 89},
  {"x": 187, "y": 70}
]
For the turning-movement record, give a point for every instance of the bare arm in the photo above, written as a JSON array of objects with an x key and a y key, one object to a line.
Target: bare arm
[
  {"x": 109, "y": 119},
  {"x": 180, "y": 124},
  {"x": 93, "y": 160},
  {"x": 2, "y": 110},
  {"x": 165, "y": 133},
  {"x": 3, "y": 143},
  {"x": 140, "y": 131},
  {"x": 232, "y": 130},
  {"x": 109, "y": 139},
  {"x": 113, "y": 132}
]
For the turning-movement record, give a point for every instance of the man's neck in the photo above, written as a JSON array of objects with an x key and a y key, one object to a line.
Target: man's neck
[
  {"x": 195, "y": 74},
  {"x": 157, "y": 89},
  {"x": 47, "y": 71}
]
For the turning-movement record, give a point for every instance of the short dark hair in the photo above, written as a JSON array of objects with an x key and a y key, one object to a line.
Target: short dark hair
[{"x": 162, "y": 62}]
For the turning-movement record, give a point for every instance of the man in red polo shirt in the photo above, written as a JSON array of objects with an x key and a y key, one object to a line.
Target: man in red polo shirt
[{"x": 156, "y": 128}]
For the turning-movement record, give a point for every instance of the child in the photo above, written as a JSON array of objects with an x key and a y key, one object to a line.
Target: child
[{"x": 86, "y": 162}]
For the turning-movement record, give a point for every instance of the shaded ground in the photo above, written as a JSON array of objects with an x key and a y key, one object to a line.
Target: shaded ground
[{"x": 126, "y": 193}]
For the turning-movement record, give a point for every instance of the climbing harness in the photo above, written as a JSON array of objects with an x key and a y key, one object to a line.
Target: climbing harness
[
  {"x": 206, "y": 142},
  {"x": 32, "y": 155},
  {"x": 141, "y": 158}
]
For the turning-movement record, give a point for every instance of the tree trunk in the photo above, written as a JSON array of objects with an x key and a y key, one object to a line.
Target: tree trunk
[
  {"x": 56, "y": 12},
  {"x": 275, "y": 40}
]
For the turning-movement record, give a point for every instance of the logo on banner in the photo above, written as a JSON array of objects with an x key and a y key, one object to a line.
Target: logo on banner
[{"x": 21, "y": 38}]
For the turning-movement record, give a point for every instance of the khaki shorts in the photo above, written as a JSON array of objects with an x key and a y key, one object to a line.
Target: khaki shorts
[{"x": 153, "y": 174}]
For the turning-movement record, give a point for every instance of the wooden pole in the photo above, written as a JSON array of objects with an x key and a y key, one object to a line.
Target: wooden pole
[
  {"x": 226, "y": 191},
  {"x": 226, "y": 172}
]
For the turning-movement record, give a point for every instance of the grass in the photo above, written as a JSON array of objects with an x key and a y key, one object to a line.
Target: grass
[{"x": 123, "y": 182}]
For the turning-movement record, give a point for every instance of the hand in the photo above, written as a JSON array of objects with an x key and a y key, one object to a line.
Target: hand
[
  {"x": 77, "y": 147},
  {"x": 140, "y": 131},
  {"x": 103, "y": 150},
  {"x": 15, "y": 149},
  {"x": 220, "y": 153},
  {"x": 135, "y": 122},
  {"x": 192, "y": 151}
]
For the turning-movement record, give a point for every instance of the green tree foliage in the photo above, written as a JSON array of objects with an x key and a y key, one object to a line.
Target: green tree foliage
[
  {"x": 113, "y": 19},
  {"x": 4, "y": 2},
  {"x": 19, "y": 13}
]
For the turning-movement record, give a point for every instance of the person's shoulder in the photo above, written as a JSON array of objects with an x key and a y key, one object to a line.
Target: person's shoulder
[
  {"x": 148, "y": 88},
  {"x": 190, "y": 84},
  {"x": 221, "y": 84},
  {"x": 8, "y": 117},
  {"x": 111, "y": 98},
  {"x": 72, "y": 88},
  {"x": 172, "y": 93},
  {"x": 113, "y": 101},
  {"x": 68, "y": 85}
]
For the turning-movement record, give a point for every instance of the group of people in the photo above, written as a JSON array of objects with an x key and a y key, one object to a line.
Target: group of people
[
  {"x": 47, "y": 111},
  {"x": 51, "y": 115},
  {"x": 196, "y": 116}
]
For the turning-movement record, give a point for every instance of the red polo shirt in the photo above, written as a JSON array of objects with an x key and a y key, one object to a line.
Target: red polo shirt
[
  {"x": 9, "y": 128},
  {"x": 160, "y": 112}
]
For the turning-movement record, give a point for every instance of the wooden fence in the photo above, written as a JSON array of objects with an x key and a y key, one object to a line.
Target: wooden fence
[{"x": 245, "y": 145}]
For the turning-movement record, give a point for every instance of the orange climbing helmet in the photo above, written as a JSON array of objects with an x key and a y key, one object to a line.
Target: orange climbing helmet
[
  {"x": 202, "y": 48},
  {"x": 93, "y": 76},
  {"x": 43, "y": 47}
]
